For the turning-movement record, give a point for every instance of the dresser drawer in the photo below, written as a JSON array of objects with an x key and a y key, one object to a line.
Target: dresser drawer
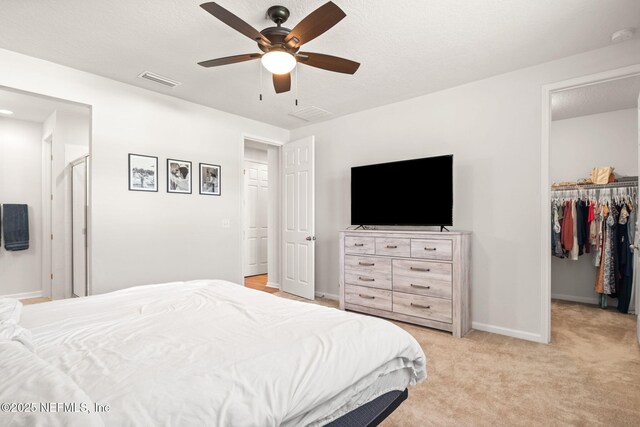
[
  {"x": 432, "y": 249},
  {"x": 368, "y": 297},
  {"x": 393, "y": 247},
  {"x": 373, "y": 272},
  {"x": 422, "y": 306},
  {"x": 359, "y": 245},
  {"x": 422, "y": 277}
]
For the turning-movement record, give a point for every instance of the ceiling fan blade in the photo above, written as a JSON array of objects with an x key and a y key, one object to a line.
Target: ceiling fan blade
[
  {"x": 316, "y": 23},
  {"x": 328, "y": 62},
  {"x": 230, "y": 60},
  {"x": 234, "y": 22},
  {"x": 282, "y": 82}
]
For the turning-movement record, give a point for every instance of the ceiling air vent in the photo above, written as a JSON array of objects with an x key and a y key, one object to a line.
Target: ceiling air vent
[
  {"x": 157, "y": 78},
  {"x": 309, "y": 114}
]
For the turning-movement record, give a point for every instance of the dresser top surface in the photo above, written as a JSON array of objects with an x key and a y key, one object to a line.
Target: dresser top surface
[{"x": 409, "y": 232}]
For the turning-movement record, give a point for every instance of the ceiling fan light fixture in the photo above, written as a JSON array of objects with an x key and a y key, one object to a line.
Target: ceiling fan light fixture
[{"x": 278, "y": 62}]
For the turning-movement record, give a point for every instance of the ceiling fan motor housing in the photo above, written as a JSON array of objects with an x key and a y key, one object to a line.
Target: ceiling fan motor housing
[{"x": 276, "y": 36}]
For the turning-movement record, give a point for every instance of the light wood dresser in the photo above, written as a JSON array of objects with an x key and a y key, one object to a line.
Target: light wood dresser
[{"x": 420, "y": 277}]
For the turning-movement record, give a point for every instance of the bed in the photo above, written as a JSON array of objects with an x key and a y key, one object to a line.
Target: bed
[{"x": 205, "y": 352}]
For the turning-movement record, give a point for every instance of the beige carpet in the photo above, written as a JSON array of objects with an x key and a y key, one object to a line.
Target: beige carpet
[{"x": 588, "y": 376}]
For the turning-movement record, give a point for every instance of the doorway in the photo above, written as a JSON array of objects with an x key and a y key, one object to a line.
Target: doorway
[
  {"x": 290, "y": 215},
  {"x": 590, "y": 122},
  {"x": 260, "y": 207},
  {"x": 256, "y": 213},
  {"x": 40, "y": 137}
]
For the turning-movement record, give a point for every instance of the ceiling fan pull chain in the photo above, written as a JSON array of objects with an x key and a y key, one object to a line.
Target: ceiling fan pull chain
[
  {"x": 297, "y": 71},
  {"x": 260, "y": 67}
]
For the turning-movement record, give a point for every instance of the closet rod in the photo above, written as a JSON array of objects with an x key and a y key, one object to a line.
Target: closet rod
[{"x": 627, "y": 184}]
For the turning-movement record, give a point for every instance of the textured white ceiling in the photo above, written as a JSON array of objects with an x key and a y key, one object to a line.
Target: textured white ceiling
[
  {"x": 598, "y": 98},
  {"x": 407, "y": 47},
  {"x": 33, "y": 108}
]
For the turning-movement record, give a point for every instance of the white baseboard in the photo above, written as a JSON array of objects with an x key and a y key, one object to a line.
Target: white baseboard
[
  {"x": 24, "y": 295},
  {"x": 508, "y": 332},
  {"x": 331, "y": 297},
  {"x": 273, "y": 285},
  {"x": 585, "y": 300}
]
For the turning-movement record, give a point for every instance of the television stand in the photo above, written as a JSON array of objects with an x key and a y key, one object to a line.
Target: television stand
[{"x": 443, "y": 228}]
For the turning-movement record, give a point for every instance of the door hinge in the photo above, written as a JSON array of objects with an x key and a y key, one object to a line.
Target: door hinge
[
  {"x": 51, "y": 276},
  {"x": 52, "y": 237},
  {"x": 52, "y": 197}
]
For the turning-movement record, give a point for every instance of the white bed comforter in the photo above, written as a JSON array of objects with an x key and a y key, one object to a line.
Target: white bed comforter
[{"x": 214, "y": 353}]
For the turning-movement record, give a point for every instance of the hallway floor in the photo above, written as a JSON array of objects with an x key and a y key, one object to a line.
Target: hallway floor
[{"x": 259, "y": 283}]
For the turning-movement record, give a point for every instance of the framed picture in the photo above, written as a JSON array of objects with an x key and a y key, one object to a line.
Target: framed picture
[
  {"x": 178, "y": 176},
  {"x": 210, "y": 179},
  {"x": 143, "y": 173}
]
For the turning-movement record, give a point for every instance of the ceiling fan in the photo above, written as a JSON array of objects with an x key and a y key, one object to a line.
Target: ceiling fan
[{"x": 281, "y": 46}]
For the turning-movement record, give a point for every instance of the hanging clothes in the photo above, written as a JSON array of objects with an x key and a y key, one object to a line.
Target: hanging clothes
[
  {"x": 575, "y": 249},
  {"x": 610, "y": 266},
  {"x": 625, "y": 260},
  {"x": 596, "y": 234},
  {"x": 602, "y": 222},
  {"x": 556, "y": 228},
  {"x": 567, "y": 227}
]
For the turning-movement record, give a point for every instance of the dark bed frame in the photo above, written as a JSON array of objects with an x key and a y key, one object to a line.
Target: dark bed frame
[{"x": 372, "y": 413}]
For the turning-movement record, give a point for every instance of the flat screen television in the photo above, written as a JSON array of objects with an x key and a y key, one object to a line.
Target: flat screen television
[{"x": 409, "y": 192}]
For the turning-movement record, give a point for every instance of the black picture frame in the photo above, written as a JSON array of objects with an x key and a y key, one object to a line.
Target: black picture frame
[
  {"x": 180, "y": 178},
  {"x": 131, "y": 182},
  {"x": 201, "y": 182}
]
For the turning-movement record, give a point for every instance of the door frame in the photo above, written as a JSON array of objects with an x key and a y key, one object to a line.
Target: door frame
[
  {"x": 79, "y": 161},
  {"x": 273, "y": 243},
  {"x": 545, "y": 180},
  {"x": 47, "y": 216}
]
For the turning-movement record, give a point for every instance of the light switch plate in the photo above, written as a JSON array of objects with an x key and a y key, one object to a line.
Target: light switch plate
[{"x": 226, "y": 223}]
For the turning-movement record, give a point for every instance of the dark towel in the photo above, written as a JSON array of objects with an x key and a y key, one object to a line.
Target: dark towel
[{"x": 16, "y": 227}]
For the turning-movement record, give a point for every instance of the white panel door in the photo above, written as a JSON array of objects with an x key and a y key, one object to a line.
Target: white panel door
[
  {"x": 256, "y": 229},
  {"x": 79, "y": 229},
  {"x": 298, "y": 226}
]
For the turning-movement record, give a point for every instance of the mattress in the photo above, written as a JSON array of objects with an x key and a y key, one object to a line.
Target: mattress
[{"x": 205, "y": 352}]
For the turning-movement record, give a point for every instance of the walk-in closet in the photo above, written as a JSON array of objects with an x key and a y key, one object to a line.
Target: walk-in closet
[{"x": 593, "y": 143}]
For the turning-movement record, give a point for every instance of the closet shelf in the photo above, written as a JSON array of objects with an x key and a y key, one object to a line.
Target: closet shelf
[{"x": 624, "y": 184}]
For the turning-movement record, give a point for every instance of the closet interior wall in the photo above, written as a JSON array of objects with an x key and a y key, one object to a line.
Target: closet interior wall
[{"x": 576, "y": 146}]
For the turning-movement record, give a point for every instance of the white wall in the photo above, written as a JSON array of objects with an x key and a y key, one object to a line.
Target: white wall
[
  {"x": 139, "y": 238},
  {"x": 493, "y": 128},
  {"x": 21, "y": 182},
  {"x": 255, "y": 155},
  {"x": 577, "y": 145}
]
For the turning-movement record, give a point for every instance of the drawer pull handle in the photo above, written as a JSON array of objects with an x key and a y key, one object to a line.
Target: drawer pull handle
[
  {"x": 420, "y": 286},
  {"x": 366, "y": 296},
  {"x": 366, "y": 279},
  {"x": 358, "y": 244},
  {"x": 420, "y": 269},
  {"x": 392, "y": 246},
  {"x": 367, "y": 264},
  {"x": 430, "y": 249},
  {"x": 420, "y": 306}
]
